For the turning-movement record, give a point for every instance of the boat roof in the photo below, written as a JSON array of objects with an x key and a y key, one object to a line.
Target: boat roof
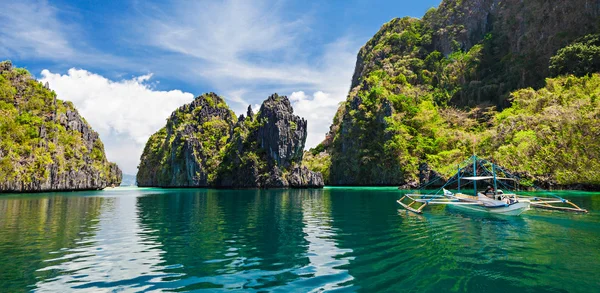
[{"x": 476, "y": 178}]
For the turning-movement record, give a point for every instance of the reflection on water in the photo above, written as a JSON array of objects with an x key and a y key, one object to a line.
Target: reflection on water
[
  {"x": 116, "y": 255},
  {"x": 287, "y": 240}
]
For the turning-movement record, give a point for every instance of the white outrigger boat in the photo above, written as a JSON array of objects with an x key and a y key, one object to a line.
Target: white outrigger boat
[{"x": 493, "y": 201}]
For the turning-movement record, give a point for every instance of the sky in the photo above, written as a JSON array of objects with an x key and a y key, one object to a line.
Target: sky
[{"x": 127, "y": 65}]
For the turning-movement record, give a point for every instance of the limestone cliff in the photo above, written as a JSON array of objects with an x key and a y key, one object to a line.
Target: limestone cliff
[
  {"x": 426, "y": 92},
  {"x": 203, "y": 146},
  {"x": 189, "y": 149},
  {"x": 45, "y": 145},
  {"x": 267, "y": 149}
]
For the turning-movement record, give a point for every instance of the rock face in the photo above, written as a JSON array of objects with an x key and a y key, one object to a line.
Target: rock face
[
  {"x": 267, "y": 149},
  {"x": 203, "y": 146},
  {"x": 429, "y": 91},
  {"x": 47, "y": 145},
  {"x": 517, "y": 37},
  {"x": 189, "y": 149}
]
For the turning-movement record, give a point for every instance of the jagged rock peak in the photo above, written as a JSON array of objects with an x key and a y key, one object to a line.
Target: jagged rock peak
[
  {"x": 284, "y": 135},
  {"x": 188, "y": 151},
  {"x": 267, "y": 151},
  {"x": 204, "y": 145},
  {"x": 250, "y": 113},
  {"x": 275, "y": 101}
]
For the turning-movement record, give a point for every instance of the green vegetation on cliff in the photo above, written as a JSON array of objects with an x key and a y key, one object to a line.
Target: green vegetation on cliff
[
  {"x": 551, "y": 135},
  {"x": 44, "y": 143},
  {"x": 579, "y": 58},
  {"x": 427, "y": 91},
  {"x": 202, "y": 146},
  {"x": 189, "y": 149},
  {"x": 266, "y": 149}
]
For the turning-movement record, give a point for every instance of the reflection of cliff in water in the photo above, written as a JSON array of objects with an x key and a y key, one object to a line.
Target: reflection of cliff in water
[
  {"x": 369, "y": 230},
  {"x": 393, "y": 249},
  {"x": 253, "y": 237},
  {"x": 30, "y": 227},
  {"x": 118, "y": 255}
]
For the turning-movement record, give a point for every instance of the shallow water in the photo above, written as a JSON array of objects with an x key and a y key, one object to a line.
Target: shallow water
[{"x": 346, "y": 239}]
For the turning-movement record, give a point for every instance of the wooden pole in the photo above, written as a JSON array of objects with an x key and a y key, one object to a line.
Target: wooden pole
[
  {"x": 494, "y": 173},
  {"x": 458, "y": 174},
  {"x": 475, "y": 173}
]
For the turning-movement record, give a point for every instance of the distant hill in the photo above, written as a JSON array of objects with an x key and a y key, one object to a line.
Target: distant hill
[{"x": 128, "y": 180}]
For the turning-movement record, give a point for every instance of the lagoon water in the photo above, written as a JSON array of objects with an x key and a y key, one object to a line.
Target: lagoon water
[{"x": 340, "y": 239}]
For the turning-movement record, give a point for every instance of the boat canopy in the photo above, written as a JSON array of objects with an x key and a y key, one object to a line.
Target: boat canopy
[
  {"x": 476, "y": 178},
  {"x": 479, "y": 169}
]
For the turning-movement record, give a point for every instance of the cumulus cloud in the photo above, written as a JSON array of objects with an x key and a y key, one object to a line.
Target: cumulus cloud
[
  {"x": 125, "y": 113},
  {"x": 318, "y": 109},
  {"x": 241, "y": 50}
]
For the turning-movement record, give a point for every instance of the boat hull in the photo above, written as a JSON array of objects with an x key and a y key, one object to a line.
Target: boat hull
[{"x": 514, "y": 209}]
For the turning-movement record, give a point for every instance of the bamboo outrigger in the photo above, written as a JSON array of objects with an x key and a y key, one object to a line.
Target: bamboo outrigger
[{"x": 493, "y": 201}]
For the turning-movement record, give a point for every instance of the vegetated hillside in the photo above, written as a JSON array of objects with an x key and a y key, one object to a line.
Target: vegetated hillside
[
  {"x": 266, "y": 149},
  {"x": 202, "y": 145},
  {"x": 425, "y": 92},
  {"x": 188, "y": 150},
  {"x": 45, "y": 144},
  {"x": 550, "y": 136}
]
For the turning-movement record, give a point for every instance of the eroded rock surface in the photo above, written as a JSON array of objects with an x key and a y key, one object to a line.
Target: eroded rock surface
[{"x": 45, "y": 144}]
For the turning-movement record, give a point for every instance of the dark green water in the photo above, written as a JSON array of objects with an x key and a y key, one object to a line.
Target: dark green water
[{"x": 287, "y": 241}]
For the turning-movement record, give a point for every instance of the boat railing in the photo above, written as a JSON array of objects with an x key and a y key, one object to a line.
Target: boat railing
[{"x": 416, "y": 202}]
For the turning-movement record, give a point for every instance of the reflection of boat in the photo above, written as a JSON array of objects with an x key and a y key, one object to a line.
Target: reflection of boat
[{"x": 493, "y": 200}]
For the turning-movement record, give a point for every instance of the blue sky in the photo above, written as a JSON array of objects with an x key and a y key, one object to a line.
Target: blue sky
[{"x": 127, "y": 65}]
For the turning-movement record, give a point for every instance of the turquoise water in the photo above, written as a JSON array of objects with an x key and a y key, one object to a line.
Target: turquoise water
[{"x": 339, "y": 239}]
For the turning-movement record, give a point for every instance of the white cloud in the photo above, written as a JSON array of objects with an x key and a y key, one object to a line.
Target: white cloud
[
  {"x": 220, "y": 31},
  {"x": 318, "y": 110},
  {"x": 125, "y": 113},
  {"x": 249, "y": 50},
  {"x": 242, "y": 50}
]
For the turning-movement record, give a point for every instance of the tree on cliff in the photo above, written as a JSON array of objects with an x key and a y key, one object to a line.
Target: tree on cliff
[
  {"x": 45, "y": 144},
  {"x": 579, "y": 58}
]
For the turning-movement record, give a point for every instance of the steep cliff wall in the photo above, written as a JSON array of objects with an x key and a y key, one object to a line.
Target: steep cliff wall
[
  {"x": 45, "y": 144},
  {"x": 189, "y": 149},
  {"x": 427, "y": 91},
  {"x": 202, "y": 146},
  {"x": 513, "y": 42},
  {"x": 267, "y": 149}
]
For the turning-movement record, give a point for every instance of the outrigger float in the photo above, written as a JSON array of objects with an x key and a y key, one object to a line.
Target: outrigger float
[{"x": 493, "y": 201}]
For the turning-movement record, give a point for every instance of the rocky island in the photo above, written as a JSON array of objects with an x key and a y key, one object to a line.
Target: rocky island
[
  {"x": 516, "y": 81},
  {"x": 45, "y": 145},
  {"x": 205, "y": 145}
]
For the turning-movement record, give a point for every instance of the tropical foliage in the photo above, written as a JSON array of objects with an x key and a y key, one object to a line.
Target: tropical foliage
[
  {"x": 35, "y": 134},
  {"x": 412, "y": 104},
  {"x": 580, "y": 58},
  {"x": 190, "y": 148}
]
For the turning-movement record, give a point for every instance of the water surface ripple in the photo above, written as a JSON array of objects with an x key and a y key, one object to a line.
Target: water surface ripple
[{"x": 337, "y": 239}]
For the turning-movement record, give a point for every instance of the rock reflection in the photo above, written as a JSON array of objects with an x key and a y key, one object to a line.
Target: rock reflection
[
  {"x": 36, "y": 229},
  {"x": 286, "y": 240},
  {"x": 117, "y": 255},
  {"x": 228, "y": 238}
]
